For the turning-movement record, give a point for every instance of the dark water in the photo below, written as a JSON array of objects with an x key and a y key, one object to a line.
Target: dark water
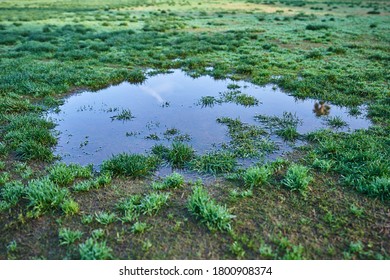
[{"x": 89, "y": 132}]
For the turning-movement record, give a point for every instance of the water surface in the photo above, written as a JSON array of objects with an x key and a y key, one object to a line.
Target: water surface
[{"x": 90, "y": 131}]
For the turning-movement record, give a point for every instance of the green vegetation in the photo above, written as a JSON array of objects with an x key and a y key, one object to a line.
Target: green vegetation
[
  {"x": 297, "y": 178},
  {"x": 68, "y": 237},
  {"x": 214, "y": 162},
  {"x": 215, "y": 216},
  {"x": 336, "y": 53},
  {"x": 131, "y": 165}
]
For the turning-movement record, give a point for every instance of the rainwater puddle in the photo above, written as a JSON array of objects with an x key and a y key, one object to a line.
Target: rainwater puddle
[{"x": 130, "y": 118}]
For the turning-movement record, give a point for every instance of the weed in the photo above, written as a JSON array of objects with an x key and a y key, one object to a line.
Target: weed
[
  {"x": 317, "y": 27},
  {"x": 208, "y": 101},
  {"x": 237, "y": 250},
  {"x": 173, "y": 181},
  {"x": 322, "y": 164},
  {"x": 44, "y": 195},
  {"x": 336, "y": 122},
  {"x": 297, "y": 178},
  {"x": 152, "y": 203},
  {"x": 68, "y": 237},
  {"x": 146, "y": 245},
  {"x": 216, "y": 217},
  {"x": 180, "y": 154},
  {"x": 98, "y": 234},
  {"x": 131, "y": 165},
  {"x": 124, "y": 115},
  {"x": 214, "y": 162},
  {"x": 256, "y": 176},
  {"x": 94, "y": 250},
  {"x": 87, "y": 219},
  {"x": 355, "y": 210},
  {"x": 64, "y": 175},
  {"x": 12, "y": 246},
  {"x": 70, "y": 207},
  {"x": 105, "y": 218},
  {"x": 139, "y": 227}
]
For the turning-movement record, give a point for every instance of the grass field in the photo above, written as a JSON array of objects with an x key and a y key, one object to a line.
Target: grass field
[{"x": 328, "y": 199}]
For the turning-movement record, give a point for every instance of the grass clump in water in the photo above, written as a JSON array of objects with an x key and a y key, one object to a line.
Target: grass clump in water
[
  {"x": 180, "y": 154},
  {"x": 216, "y": 162},
  {"x": 208, "y": 101},
  {"x": 285, "y": 126},
  {"x": 297, "y": 178},
  {"x": 124, "y": 115},
  {"x": 131, "y": 165},
  {"x": 336, "y": 122},
  {"x": 215, "y": 216}
]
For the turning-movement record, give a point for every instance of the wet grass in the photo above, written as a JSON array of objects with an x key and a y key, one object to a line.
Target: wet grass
[{"x": 336, "y": 53}]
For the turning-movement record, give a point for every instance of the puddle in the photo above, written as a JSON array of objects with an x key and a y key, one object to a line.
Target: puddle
[{"x": 93, "y": 126}]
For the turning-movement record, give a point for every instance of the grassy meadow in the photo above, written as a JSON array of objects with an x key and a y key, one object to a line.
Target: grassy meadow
[{"x": 328, "y": 199}]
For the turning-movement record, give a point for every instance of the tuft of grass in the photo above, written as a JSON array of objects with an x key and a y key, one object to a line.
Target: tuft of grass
[
  {"x": 131, "y": 165},
  {"x": 214, "y": 162},
  {"x": 64, "y": 175},
  {"x": 208, "y": 101},
  {"x": 297, "y": 178},
  {"x": 139, "y": 227},
  {"x": 10, "y": 194},
  {"x": 68, "y": 237},
  {"x": 124, "y": 115},
  {"x": 215, "y": 216},
  {"x": 336, "y": 122},
  {"x": 94, "y": 250},
  {"x": 152, "y": 203},
  {"x": 44, "y": 195},
  {"x": 180, "y": 154},
  {"x": 105, "y": 218},
  {"x": 256, "y": 176},
  {"x": 316, "y": 27},
  {"x": 70, "y": 207},
  {"x": 173, "y": 181}
]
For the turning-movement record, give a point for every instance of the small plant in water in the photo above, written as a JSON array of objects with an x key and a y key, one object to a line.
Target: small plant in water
[
  {"x": 124, "y": 115},
  {"x": 336, "y": 122}
]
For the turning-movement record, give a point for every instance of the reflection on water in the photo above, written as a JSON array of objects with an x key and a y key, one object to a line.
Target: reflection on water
[
  {"x": 321, "y": 109},
  {"x": 132, "y": 118}
]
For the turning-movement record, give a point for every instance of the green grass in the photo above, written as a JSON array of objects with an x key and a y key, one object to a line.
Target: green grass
[
  {"x": 335, "y": 53},
  {"x": 64, "y": 175},
  {"x": 173, "y": 181},
  {"x": 213, "y": 215},
  {"x": 130, "y": 165},
  {"x": 124, "y": 115},
  {"x": 44, "y": 195},
  {"x": 68, "y": 236},
  {"x": 94, "y": 250},
  {"x": 214, "y": 163},
  {"x": 297, "y": 178},
  {"x": 256, "y": 176},
  {"x": 180, "y": 154}
]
